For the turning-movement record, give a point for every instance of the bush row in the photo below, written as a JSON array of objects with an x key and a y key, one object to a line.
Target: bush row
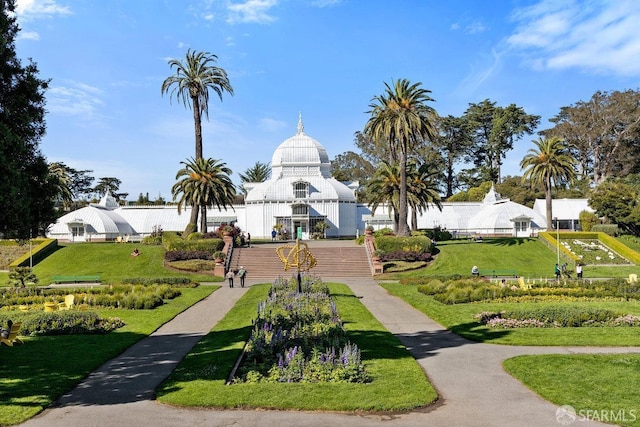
[
  {"x": 418, "y": 244},
  {"x": 176, "y": 281},
  {"x": 62, "y": 323},
  {"x": 556, "y": 317},
  {"x": 409, "y": 256},
  {"x": 172, "y": 242},
  {"x": 133, "y": 297},
  {"x": 473, "y": 290},
  {"x": 185, "y": 255}
]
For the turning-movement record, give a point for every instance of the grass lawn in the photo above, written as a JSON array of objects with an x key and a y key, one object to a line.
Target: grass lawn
[
  {"x": 200, "y": 378},
  {"x": 529, "y": 257},
  {"x": 459, "y": 319},
  {"x": 603, "y": 387},
  {"x": 36, "y": 373},
  {"x": 112, "y": 261}
]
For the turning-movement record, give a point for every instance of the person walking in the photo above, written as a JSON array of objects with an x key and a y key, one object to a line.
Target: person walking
[
  {"x": 557, "y": 271},
  {"x": 248, "y": 240},
  {"x": 273, "y": 235},
  {"x": 230, "y": 278},
  {"x": 242, "y": 273}
]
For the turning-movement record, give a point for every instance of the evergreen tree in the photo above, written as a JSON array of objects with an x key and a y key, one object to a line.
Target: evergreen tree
[{"x": 27, "y": 191}]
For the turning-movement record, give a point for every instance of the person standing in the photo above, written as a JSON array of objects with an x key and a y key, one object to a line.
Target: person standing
[
  {"x": 242, "y": 273},
  {"x": 273, "y": 235},
  {"x": 557, "y": 271},
  {"x": 249, "y": 240},
  {"x": 230, "y": 278},
  {"x": 579, "y": 270}
]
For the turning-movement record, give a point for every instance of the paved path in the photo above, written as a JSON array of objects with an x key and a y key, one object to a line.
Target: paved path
[{"x": 474, "y": 390}]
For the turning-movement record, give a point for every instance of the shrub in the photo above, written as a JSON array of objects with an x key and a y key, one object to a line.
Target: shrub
[
  {"x": 409, "y": 256},
  {"x": 183, "y": 255},
  {"x": 554, "y": 316},
  {"x": 610, "y": 229},
  {"x": 64, "y": 323},
  {"x": 219, "y": 255},
  {"x": 194, "y": 236},
  {"x": 588, "y": 220},
  {"x": 404, "y": 244}
]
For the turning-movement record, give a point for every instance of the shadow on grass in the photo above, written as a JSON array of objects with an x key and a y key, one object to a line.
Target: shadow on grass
[{"x": 506, "y": 241}]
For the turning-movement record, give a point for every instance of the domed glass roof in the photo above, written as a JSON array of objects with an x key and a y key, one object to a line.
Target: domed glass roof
[{"x": 300, "y": 155}]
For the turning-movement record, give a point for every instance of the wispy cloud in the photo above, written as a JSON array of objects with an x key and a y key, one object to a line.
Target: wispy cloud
[
  {"x": 599, "y": 36},
  {"x": 325, "y": 3},
  {"x": 28, "y": 35},
  {"x": 271, "y": 125},
  {"x": 31, "y": 9},
  {"x": 75, "y": 99},
  {"x": 477, "y": 77},
  {"x": 472, "y": 28},
  {"x": 251, "y": 11}
]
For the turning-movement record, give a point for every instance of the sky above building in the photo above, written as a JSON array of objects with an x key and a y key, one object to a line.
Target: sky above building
[{"x": 326, "y": 59}]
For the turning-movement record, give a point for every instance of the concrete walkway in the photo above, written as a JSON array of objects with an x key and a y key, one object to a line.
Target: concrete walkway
[{"x": 474, "y": 389}]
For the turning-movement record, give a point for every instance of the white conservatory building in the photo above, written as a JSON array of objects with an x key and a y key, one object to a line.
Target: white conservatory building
[{"x": 300, "y": 193}]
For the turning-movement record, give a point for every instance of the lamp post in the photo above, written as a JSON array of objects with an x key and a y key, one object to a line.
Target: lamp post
[
  {"x": 557, "y": 240},
  {"x": 30, "y": 250}
]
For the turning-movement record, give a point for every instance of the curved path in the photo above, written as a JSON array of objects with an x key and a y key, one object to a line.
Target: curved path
[{"x": 473, "y": 387}]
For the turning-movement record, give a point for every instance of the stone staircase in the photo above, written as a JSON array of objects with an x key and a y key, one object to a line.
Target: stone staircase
[{"x": 334, "y": 259}]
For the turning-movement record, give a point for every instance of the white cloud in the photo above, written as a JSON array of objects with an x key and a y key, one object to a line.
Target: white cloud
[
  {"x": 599, "y": 36},
  {"x": 251, "y": 11},
  {"x": 31, "y": 9},
  {"x": 325, "y": 3},
  {"x": 271, "y": 125},
  {"x": 76, "y": 99},
  {"x": 475, "y": 28},
  {"x": 28, "y": 35}
]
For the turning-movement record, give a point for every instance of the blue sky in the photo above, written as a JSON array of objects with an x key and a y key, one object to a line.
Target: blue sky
[{"x": 324, "y": 58}]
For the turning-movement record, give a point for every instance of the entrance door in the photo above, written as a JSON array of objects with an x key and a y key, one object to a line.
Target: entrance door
[{"x": 304, "y": 225}]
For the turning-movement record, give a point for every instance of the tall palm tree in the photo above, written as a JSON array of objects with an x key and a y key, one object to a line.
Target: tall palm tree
[
  {"x": 190, "y": 85},
  {"x": 202, "y": 183},
  {"x": 550, "y": 164},
  {"x": 401, "y": 117},
  {"x": 422, "y": 190},
  {"x": 260, "y": 172}
]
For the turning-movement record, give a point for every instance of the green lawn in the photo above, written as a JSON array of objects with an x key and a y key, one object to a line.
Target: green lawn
[
  {"x": 459, "y": 319},
  {"x": 200, "y": 379},
  {"x": 111, "y": 261},
  {"x": 529, "y": 257},
  {"x": 36, "y": 373},
  {"x": 602, "y": 387}
]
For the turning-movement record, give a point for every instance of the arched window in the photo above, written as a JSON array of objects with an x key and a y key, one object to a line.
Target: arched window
[{"x": 300, "y": 190}]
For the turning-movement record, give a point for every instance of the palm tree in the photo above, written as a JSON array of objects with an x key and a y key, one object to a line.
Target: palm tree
[
  {"x": 260, "y": 172},
  {"x": 421, "y": 190},
  {"x": 401, "y": 117},
  {"x": 202, "y": 183},
  {"x": 384, "y": 188},
  {"x": 190, "y": 85},
  {"x": 60, "y": 175},
  {"x": 550, "y": 164}
]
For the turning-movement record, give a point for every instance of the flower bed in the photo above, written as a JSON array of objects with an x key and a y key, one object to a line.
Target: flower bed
[
  {"x": 592, "y": 252},
  {"x": 556, "y": 317},
  {"x": 299, "y": 337}
]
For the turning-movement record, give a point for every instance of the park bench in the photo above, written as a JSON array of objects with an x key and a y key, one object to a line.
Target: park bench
[
  {"x": 76, "y": 279},
  {"x": 490, "y": 272},
  {"x": 13, "y": 335}
]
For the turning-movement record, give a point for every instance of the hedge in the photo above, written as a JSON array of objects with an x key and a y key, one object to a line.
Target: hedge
[
  {"x": 172, "y": 242},
  {"x": 43, "y": 249},
  {"x": 403, "y": 244}
]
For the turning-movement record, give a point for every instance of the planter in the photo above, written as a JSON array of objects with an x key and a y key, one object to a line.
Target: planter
[
  {"x": 50, "y": 306},
  {"x": 376, "y": 259}
]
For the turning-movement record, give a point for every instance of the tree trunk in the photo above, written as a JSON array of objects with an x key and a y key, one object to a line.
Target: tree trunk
[
  {"x": 203, "y": 219},
  {"x": 547, "y": 196},
  {"x": 414, "y": 219},
  {"x": 193, "y": 221},
  {"x": 403, "y": 228},
  {"x": 197, "y": 124}
]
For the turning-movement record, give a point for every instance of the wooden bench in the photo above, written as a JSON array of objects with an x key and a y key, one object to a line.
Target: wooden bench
[
  {"x": 489, "y": 272},
  {"x": 76, "y": 279},
  {"x": 13, "y": 335}
]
